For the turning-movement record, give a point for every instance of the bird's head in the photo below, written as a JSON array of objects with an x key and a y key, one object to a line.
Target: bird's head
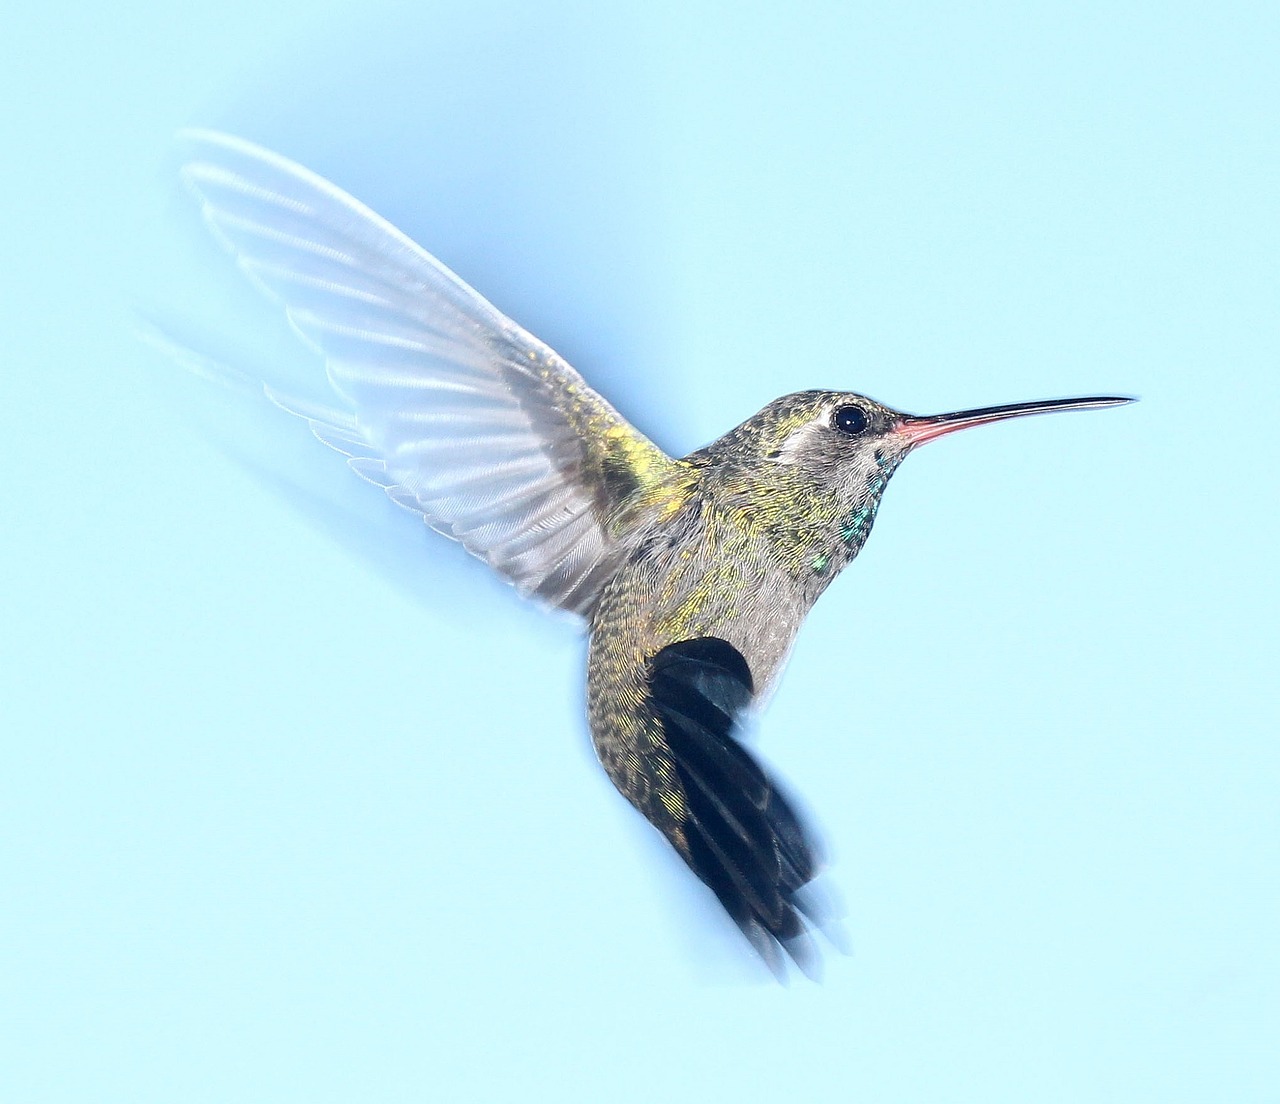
[{"x": 848, "y": 445}]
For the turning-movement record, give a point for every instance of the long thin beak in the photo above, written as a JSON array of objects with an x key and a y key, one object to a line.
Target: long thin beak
[{"x": 918, "y": 429}]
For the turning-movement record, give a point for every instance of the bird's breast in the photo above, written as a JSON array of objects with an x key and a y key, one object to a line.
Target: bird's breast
[{"x": 718, "y": 580}]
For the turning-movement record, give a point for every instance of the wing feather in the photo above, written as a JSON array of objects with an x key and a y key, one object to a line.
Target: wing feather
[
  {"x": 734, "y": 827},
  {"x": 455, "y": 411}
]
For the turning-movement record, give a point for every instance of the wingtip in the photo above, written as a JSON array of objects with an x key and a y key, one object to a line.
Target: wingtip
[
  {"x": 207, "y": 136},
  {"x": 215, "y": 153},
  {"x": 156, "y": 335}
]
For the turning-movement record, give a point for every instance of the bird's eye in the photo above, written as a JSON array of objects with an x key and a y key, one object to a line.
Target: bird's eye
[{"x": 849, "y": 419}]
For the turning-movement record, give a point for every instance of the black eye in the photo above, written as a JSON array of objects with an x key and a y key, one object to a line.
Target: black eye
[{"x": 849, "y": 419}]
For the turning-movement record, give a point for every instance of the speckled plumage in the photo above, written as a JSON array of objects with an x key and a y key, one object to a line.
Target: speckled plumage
[
  {"x": 763, "y": 525},
  {"x": 693, "y": 575}
]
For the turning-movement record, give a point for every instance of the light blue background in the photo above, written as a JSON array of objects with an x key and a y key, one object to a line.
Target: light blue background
[{"x": 280, "y": 823}]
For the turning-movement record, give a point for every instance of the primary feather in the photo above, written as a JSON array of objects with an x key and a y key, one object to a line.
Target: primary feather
[
  {"x": 469, "y": 421},
  {"x": 457, "y": 412}
]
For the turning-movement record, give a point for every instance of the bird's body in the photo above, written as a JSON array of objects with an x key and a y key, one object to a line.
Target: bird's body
[{"x": 693, "y": 575}]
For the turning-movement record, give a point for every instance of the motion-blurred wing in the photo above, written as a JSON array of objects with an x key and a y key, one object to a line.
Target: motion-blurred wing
[
  {"x": 715, "y": 803},
  {"x": 457, "y": 412}
]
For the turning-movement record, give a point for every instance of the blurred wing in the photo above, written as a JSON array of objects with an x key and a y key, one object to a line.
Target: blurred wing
[
  {"x": 457, "y": 412},
  {"x": 716, "y": 804}
]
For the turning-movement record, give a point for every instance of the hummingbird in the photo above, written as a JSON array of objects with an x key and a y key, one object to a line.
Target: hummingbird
[{"x": 692, "y": 575}]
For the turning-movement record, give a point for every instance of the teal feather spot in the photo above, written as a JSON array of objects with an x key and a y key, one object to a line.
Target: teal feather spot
[{"x": 858, "y": 525}]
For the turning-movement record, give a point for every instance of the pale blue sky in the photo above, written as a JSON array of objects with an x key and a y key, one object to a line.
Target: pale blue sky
[{"x": 285, "y": 817}]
